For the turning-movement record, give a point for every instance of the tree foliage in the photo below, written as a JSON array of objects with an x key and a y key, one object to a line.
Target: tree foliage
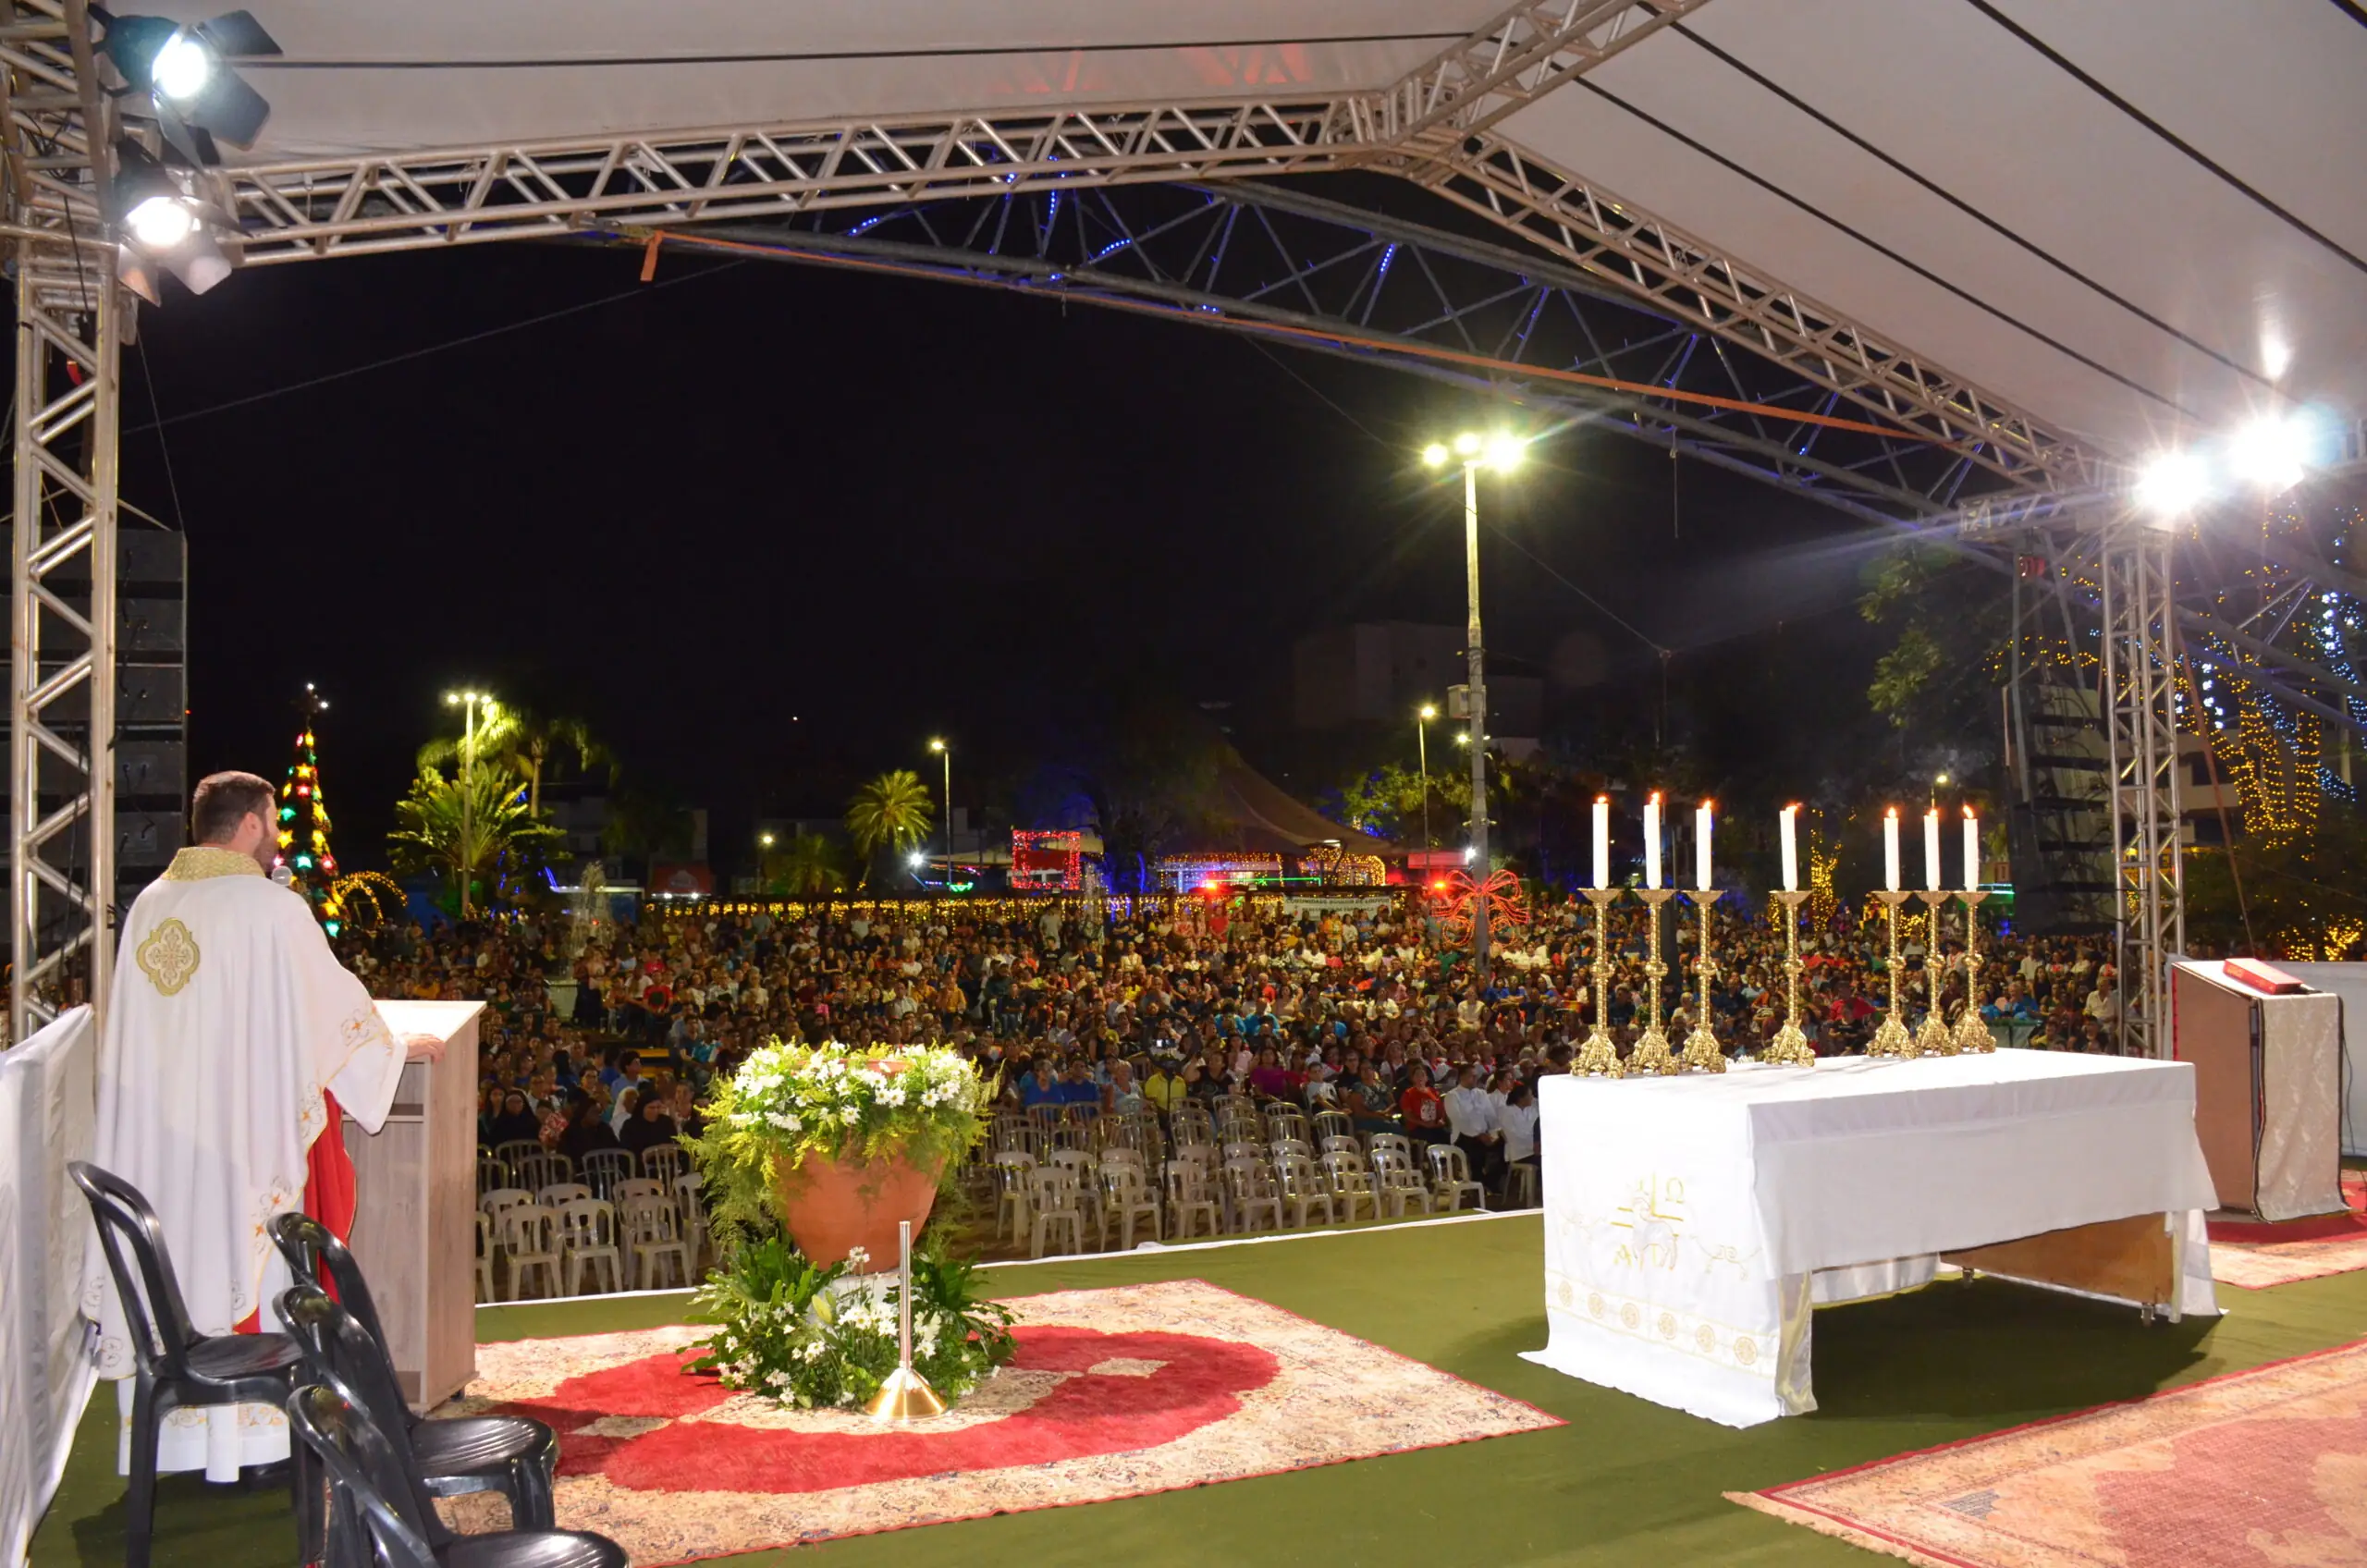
[
  {"x": 1387, "y": 801},
  {"x": 528, "y": 743},
  {"x": 893, "y": 813},
  {"x": 807, "y": 866},
  {"x": 474, "y": 829}
]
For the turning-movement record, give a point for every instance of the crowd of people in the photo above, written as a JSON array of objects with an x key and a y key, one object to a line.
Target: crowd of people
[{"x": 605, "y": 1036}]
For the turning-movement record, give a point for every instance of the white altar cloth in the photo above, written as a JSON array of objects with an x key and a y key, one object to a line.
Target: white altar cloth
[{"x": 1692, "y": 1222}]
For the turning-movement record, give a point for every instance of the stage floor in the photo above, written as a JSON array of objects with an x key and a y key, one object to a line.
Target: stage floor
[{"x": 1624, "y": 1482}]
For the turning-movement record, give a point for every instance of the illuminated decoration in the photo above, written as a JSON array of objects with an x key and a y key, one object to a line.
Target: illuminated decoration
[
  {"x": 1344, "y": 867},
  {"x": 1185, "y": 873},
  {"x": 1824, "y": 859},
  {"x": 304, "y": 825},
  {"x": 1261, "y": 903},
  {"x": 363, "y": 899},
  {"x": 1455, "y": 899},
  {"x": 1049, "y": 860}
]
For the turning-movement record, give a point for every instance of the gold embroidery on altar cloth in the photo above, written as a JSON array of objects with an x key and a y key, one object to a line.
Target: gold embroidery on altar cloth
[{"x": 168, "y": 956}]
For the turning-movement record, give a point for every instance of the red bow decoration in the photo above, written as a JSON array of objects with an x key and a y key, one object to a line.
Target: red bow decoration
[{"x": 1457, "y": 902}]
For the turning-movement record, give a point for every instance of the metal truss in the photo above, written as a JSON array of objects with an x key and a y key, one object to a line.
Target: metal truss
[
  {"x": 1518, "y": 57},
  {"x": 1694, "y": 281},
  {"x": 315, "y": 208},
  {"x": 1316, "y": 274},
  {"x": 2141, "y": 701},
  {"x": 71, "y": 320}
]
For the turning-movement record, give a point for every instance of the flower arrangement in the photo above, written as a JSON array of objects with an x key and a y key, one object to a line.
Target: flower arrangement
[
  {"x": 919, "y": 1104},
  {"x": 784, "y": 1331}
]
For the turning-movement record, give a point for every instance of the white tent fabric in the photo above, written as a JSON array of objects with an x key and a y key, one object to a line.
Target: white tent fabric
[{"x": 2141, "y": 220}]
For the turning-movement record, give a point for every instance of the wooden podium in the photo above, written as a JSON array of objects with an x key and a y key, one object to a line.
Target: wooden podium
[{"x": 414, "y": 1232}]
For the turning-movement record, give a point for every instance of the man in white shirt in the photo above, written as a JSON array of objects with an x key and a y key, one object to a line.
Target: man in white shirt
[{"x": 1471, "y": 1117}]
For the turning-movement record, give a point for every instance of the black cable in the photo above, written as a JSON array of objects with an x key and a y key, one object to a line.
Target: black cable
[
  {"x": 1868, "y": 240},
  {"x": 2063, "y": 62}
]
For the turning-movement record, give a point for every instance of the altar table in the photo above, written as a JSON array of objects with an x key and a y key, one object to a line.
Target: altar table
[{"x": 1692, "y": 1222}]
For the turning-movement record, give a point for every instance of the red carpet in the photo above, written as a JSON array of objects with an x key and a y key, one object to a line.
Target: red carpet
[{"x": 1113, "y": 1393}]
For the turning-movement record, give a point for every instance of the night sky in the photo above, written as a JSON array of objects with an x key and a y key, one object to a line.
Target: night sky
[{"x": 768, "y": 527}]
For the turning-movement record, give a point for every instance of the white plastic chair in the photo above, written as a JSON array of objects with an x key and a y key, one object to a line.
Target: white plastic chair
[
  {"x": 558, "y": 1194},
  {"x": 1250, "y": 1187},
  {"x": 587, "y": 1244},
  {"x": 1187, "y": 1199},
  {"x": 529, "y": 1240},
  {"x": 654, "y": 1234},
  {"x": 1054, "y": 1195},
  {"x": 1451, "y": 1179},
  {"x": 1125, "y": 1197},
  {"x": 1351, "y": 1185},
  {"x": 1399, "y": 1184},
  {"x": 1301, "y": 1190}
]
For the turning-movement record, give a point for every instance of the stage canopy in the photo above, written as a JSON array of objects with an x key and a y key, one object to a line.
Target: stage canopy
[{"x": 2134, "y": 220}]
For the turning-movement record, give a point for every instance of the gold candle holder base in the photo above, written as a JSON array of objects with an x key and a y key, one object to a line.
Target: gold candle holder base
[
  {"x": 905, "y": 1396},
  {"x": 1936, "y": 1038},
  {"x": 1702, "y": 1053},
  {"x": 1891, "y": 1038},
  {"x": 1598, "y": 1057},
  {"x": 1790, "y": 1048},
  {"x": 1972, "y": 1032},
  {"x": 1651, "y": 1053}
]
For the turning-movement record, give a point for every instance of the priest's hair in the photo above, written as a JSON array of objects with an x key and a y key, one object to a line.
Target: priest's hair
[{"x": 222, "y": 801}]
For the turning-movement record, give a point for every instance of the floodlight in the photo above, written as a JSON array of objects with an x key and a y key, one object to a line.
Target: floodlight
[
  {"x": 163, "y": 225},
  {"x": 919, "y": 860},
  {"x": 1467, "y": 444},
  {"x": 1434, "y": 455},
  {"x": 2271, "y": 452},
  {"x": 192, "y": 94},
  {"x": 1505, "y": 452},
  {"x": 936, "y": 745},
  {"x": 1429, "y": 711},
  {"x": 1462, "y": 738},
  {"x": 2171, "y": 485}
]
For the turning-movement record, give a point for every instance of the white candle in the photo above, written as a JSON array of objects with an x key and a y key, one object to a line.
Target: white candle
[
  {"x": 1971, "y": 850},
  {"x": 1701, "y": 846},
  {"x": 1890, "y": 850},
  {"x": 1791, "y": 849},
  {"x": 1653, "y": 841},
  {"x": 1603, "y": 840},
  {"x": 1932, "y": 848}
]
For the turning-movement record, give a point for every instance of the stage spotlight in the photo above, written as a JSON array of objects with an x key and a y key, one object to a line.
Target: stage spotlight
[
  {"x": 193, "y": 95},
  {"x": 1467, "y": 444},
  {"x": 2171, "y": 485},
  {"x": 2271, "y": 452},
  {"x": 1434, "y": 455},
  {"x": 163, "y": 225},
  {"x": 1505, "y": 452}
]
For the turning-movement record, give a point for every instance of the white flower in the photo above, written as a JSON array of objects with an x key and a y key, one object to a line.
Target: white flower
[
  {"x": 787, "y": 1123},
  {"x": 857, "y": 1259}
]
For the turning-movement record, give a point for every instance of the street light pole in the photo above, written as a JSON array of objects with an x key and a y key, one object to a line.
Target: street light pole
[
  {"x": 947, "y": 753},
  {"x": 1500, "y": 452},
  {"x": 1422, "y": 748},
  {"x": 468, "y": 702},
  {"x": 1479, "y": 702}
]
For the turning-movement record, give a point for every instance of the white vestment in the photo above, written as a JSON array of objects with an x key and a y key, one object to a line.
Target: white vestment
[{"x": 228, "y": 1016}]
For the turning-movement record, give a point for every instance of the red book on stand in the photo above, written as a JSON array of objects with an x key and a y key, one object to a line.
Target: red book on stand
[{"x": 2264, "y": 978}]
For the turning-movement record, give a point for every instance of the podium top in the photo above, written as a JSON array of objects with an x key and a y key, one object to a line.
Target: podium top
[{"x": 442, "y": 1019}]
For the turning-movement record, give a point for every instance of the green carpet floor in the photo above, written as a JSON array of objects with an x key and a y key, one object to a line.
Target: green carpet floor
[{"x": 1624, "y": 1482}]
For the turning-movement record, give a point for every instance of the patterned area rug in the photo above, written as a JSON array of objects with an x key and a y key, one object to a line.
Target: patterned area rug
[
  {"x": 1114, "y": 1393},
  {"x": 2267, "y": 1467},
  {"x": 2255, "y": 1256}
]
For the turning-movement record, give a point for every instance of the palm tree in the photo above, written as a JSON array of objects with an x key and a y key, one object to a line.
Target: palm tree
[
  {"x": 807, "y": 864},
  {"x": 528, "y": 741},
  {"x": 892, "y": 812},
  {"x": 467, "y": 827}
]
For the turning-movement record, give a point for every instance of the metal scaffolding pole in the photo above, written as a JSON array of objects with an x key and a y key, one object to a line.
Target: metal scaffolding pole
[{"x": 2140, "y": 695}]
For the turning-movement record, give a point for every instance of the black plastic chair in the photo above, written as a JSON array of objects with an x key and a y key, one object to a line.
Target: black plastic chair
[
  {"x": 510, "y": 1454},
  {"x": 178, "y": 1366},
  {"x": 379, "y": 1495}
]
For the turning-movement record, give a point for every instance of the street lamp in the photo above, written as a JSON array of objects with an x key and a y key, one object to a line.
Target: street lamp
[
  {"x": 1474, "y": 452},
  {"x": 947, "y": 753},
  {"x": 1422, "y": 717},
  {"x": 468, "y": 701}
]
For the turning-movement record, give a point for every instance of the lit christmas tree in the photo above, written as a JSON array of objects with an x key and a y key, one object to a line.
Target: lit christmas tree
[{"x": 304, "y": 823}]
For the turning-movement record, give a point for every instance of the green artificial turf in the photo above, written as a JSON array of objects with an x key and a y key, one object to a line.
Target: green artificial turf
[{"x": 1624, "y": 1482}]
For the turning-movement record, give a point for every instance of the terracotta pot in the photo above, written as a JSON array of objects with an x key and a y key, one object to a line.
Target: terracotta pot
[{"x": 832, "y": 1207}]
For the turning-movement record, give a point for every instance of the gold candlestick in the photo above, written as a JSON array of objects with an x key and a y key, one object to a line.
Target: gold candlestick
[
  {"x": 1972, "y": 1031},
  {"x": 904, "y": 1395},
  {"x": 1891, "y": 1038},
  {"x": 1701, "y": 1052},
  {"x": 1936, "y": 1038},
  {"x": 1651, "y": 1052},
  {"x": 1790, "y": 1048},
  {"x": 1599, "y": 1054}
]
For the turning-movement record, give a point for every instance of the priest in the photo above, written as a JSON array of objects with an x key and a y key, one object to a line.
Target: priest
[{"x": 233, "y": 1041}]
